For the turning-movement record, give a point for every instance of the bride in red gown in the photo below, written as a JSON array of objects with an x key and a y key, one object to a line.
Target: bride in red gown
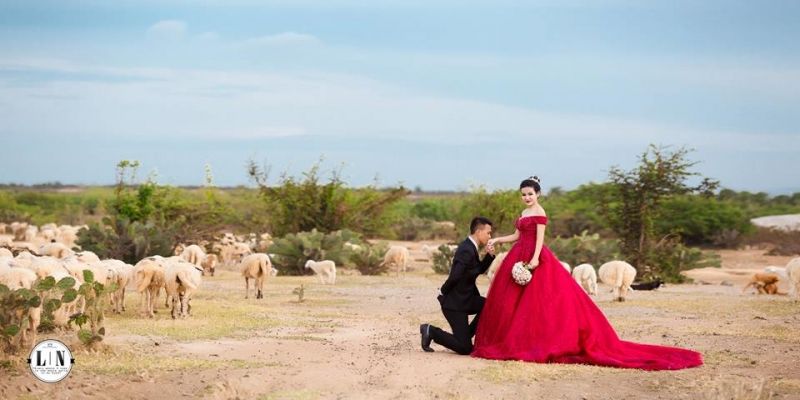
[{"x": 551, "y": 319}]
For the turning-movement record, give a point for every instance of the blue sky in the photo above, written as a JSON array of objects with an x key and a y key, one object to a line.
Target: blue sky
[{"x": 437, "y": 94}]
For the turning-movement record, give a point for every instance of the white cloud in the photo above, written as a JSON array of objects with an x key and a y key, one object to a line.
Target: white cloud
[
  {"x": 282, "y": 39},
  {"x": 168, "y": 29}
]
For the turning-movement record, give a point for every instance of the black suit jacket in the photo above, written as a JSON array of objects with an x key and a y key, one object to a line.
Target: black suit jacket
[{"x": 459, "y": 292}]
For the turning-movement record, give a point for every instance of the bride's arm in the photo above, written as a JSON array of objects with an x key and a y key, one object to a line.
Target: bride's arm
[
  {"x": 506, "y": 239},
  {"x": 539, "y": 243}
]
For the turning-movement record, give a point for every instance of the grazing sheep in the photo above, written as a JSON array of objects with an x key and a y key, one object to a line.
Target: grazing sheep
[
  {"x": 397, "y": 256},
  {"x": 87, "y": 256},
  {"x": 566, "y": 266},
  {"x": 18, "y": 230},
  {"x": 57, "y": 250},
  {"x": 61, "y": 315},
  {"x": 498, "y": 260},
  {"x": 44, "y": 266},
  {"x": 182, "y": 280},
  {"x": 618, "y": 274},
  {"x": 193, "y": 254},
  {"x": 210, "y": 264},
  {"x": 764, "y": 283},
  {"x": 121, "y": 275},
  {"x": 4, "y": 252},
  {"x": 68, "y": 235},
  {"x": 793, "y": 273},
  {"x": 585, "y": 276},
  {"x": 255, "y": 266},
  {"x": 149, "y": 277},
  {"x": 18, "y": 278},
  {"x": 31, "y": 232},
  {"x": 325, "y": 269}
]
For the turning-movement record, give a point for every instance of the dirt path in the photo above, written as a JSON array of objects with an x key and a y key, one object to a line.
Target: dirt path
[{"x": 359, "y": 339}]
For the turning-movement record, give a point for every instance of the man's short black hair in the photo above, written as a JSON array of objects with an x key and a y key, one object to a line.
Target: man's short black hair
[{"x": 478, "y": 222}]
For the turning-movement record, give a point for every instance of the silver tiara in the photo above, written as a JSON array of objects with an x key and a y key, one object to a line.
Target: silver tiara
[{"x": 535, "y": 179}]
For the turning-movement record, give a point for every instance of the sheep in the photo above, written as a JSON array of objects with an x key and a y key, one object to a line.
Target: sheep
[
  {"x": 194, "y": 254},
  {"x": 68, "y": 235},
  {"x": 210, "y": 263},
  {"x": 498, "y": 260},
  {"x": 61, "y": 315},
  {"x": 352, "y": 247},
  {"x": 182, "y": 279},
  {"x": 18, "y": 230},
  {"x": 4, "y": 252},
  {"x": 764, "y": 283},
  {"x": 255, "y": 266},
  {"x": 618, "y": 274},
  {"x": 566, "y": 266},
  {"x": 793, "y": 273},
  {"x": 22, "y": 278},
  {"x": 397, "y": 256},
  {"x": 121, "y": 274},
  {"x": 57, "y": 250},
  {"x": 31, "y": 232},
  {"x": 586, "y": 277},
  {"x": 87, "y": 256},
  {"x": 780, "y": 271},
  {"x": 149, "y": 277},
  {"x": 325, "y": 269},
  {"x": 44, "y": 266}
]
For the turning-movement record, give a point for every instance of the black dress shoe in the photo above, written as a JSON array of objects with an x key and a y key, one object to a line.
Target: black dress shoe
[{"x": 425, "y": 332}]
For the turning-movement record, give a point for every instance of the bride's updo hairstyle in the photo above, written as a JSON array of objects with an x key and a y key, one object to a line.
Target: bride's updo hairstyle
[{"x": 532, "y": 182}]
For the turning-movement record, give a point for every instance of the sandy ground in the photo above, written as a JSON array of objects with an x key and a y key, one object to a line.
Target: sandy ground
[{"x": 359, "y": 340}]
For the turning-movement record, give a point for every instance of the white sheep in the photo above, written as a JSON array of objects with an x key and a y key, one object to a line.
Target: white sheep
[
  {"x": 586, "y": 277},
  {"x": 498, "y": 260},
  {"x": 793, "y": 273},
  {"x": 4, "y": 252},
  {"x": 255, "y": 266},
  {"x": 193, "y": 254},
  {"x": 18, "y": 278},
  {"x": 397, "y": 256},
  {"x": 149, "y": 277},
  {"x": 121, "y": 274},
  {"x": 566, "y": 266},
  {"x": 61, "y": 315},
  {"x": 210, "y": 263},
  {"x": 618, "y": 274},
  {"x": 780, "y": 271},
  {"x": 57, "y": 250},
  {"x": 182, "y": 280},
  {"x": 325, "y": 269},
  {"x": 87, "y": 256}
]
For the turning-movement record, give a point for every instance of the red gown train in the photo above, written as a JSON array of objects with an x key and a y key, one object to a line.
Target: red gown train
[{"x": 552, "y": 320}]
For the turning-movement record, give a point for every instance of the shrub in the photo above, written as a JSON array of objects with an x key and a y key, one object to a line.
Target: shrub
[
  {"x": 585, "y": 248},
  {"x": 96, "y": 296},
  {"x": 369, "y": 260},
  {"x": 443, "y": 259},
  {"x": 293, "y": 250},
  {"x": 779, "y": 242},
  {"x": 670, "y": 257}
]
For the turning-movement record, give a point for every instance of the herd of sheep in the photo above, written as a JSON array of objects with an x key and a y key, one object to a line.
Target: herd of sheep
[{"x": 48, "y": 251}]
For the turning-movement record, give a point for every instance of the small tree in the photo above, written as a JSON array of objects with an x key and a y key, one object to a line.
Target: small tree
[
  {"x": 306, "y": 204},
  {"x": 637, "y": 198}
]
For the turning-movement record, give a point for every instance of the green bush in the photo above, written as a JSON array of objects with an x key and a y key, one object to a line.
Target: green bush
[
  {"x": 369, "y": 259},
  {"x": 293, "y": 250},
  {"x": 443, "y": 259},
  {"x": 585, "y": 248},
  {"x": 701, "y": 220},
  {"x": 302, "y": 205},
  {"x": 15, "y": 306},
  {"x": 671, "y": 257},
  {"x": 96, "y": 296}
]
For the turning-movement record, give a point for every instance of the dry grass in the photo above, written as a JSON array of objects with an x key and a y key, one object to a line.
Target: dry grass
[
  {"x": 519, "y": 371},
  {"x": 127, "y": 363},
  {"x": 291, "y": 395}
]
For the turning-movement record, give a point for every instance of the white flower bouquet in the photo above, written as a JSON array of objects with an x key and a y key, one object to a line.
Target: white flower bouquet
[{"x": 521, "y": 272}]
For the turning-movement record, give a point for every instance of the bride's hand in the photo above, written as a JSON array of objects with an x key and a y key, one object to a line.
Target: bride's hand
[
  {"x": 534, "y": 263},
  {"x": 491, "y": 242}
]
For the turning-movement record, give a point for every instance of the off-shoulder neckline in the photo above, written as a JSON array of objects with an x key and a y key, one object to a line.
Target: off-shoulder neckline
[{"x": 532, "y": 216}]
